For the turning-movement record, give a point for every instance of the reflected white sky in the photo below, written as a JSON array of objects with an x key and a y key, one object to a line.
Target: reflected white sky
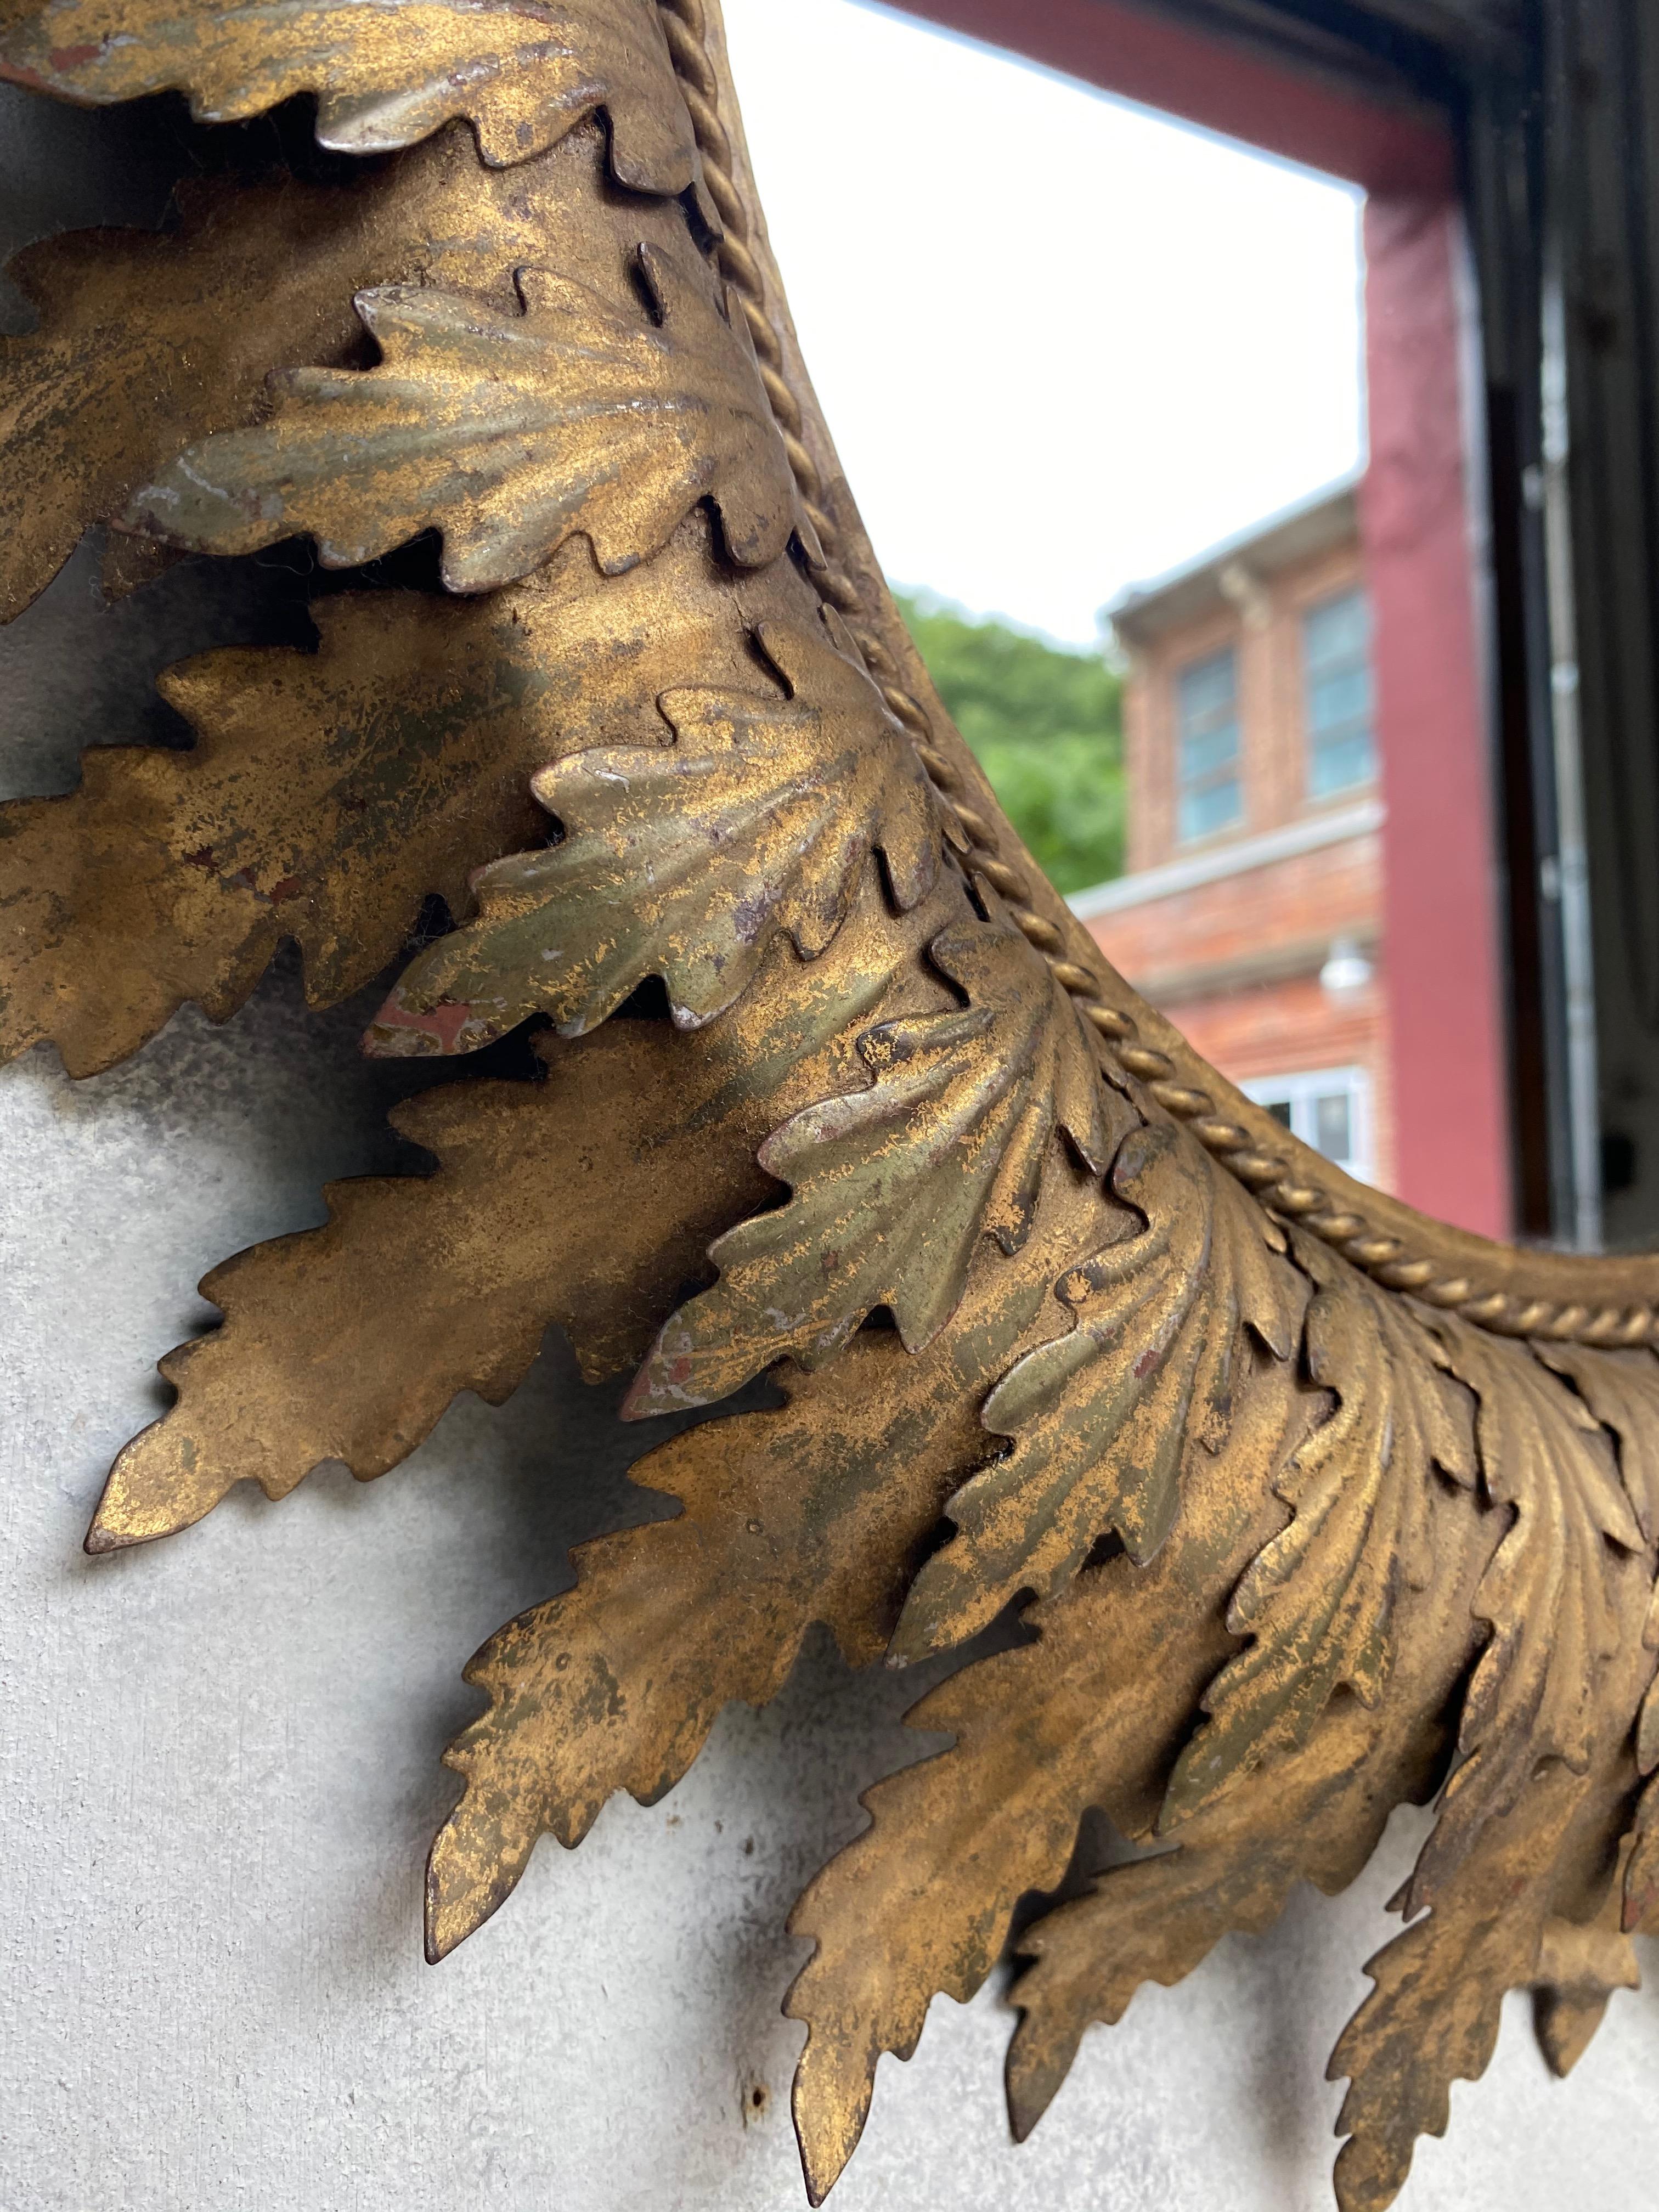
[{"x": 1062, "y": 344}]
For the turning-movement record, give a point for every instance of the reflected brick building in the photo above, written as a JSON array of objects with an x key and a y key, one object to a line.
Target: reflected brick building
[
  {"x": 1252, "y": 910},
  {"x": 1444, "y": 1135}
]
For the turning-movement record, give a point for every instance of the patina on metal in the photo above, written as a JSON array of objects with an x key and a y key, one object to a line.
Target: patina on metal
[{"x": 1322, "y": 1507}]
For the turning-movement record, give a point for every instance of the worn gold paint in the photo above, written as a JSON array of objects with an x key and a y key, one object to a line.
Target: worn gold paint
[
  {"x": 149, "y": 343},
  {"x": 1363, "y": 1471},
  {"x": 895, "y": 1186},
  {"x": 507, "y": 430},
  {"x": 585, "y": 1201},
  {"x": 327, "y": 796},
  {"x": 685, "y": 859},
  {"x": 814, "y": 1513},
  {"x": 1100, "y": 1417},
  {"x": 388, "y": 72}
]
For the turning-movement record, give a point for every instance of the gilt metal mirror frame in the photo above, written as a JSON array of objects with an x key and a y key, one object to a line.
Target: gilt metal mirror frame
[{"x": 1319, "y": 1506}]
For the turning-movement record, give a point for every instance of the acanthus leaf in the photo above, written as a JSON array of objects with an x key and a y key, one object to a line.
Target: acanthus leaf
[
  {"x": 814, "y": 1512},
  {"x": 896, "y": 1185},
  {"x": 1105, "y": 1418},
  {"x": 686, "y": 860},
  {"x": 386, "y": 72},
  {"x": 587, "y": 1199},
  {"x": 1319, "y": 1602},
  {"x": 1086, "y": 1715},
  {"x": 1557, "y": 1594},
  {"x": 508, "y": 433}
]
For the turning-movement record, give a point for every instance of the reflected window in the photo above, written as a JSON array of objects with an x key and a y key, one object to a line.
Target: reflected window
[
  {"x": 1210, "y": 798},
  {"x": 1336, "y": 668},
  {"x": 1329, "y": 1108}
]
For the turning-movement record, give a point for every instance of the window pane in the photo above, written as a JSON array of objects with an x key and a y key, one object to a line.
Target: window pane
[
  {"x": 1206, "y": 686},
  {"x": 1337, "y": 690},
  {"x": 1215, "y": 807},
  {"x": 1340, "y": 630},
  {"x": 1207, "y": 710},
  {"x": 1339, "y": 694},
  {"x": 1333, "y": 1125},
  {"x": 1341, "y": 764},
  {"x": 1326, "y": 1108},
  {"x": 1202, "y": 756}
]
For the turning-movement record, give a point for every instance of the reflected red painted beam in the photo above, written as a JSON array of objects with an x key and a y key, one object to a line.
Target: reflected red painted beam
[
  {"x": 1441, "y": 894},
  {"x": 1211, "y": 80}
]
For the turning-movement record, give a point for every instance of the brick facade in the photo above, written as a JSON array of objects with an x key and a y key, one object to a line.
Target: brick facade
[
  {"x": 1228, "y": 933},
  {"x": 1267, "y": 640}
]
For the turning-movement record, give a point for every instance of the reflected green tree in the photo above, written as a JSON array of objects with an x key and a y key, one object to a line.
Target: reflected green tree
[{"x": 1046, "y": 724}]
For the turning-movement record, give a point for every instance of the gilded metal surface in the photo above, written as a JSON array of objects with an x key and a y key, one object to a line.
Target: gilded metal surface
[
  {"x": 587, "y": 1199},
  {"x": 895, "y": 1185},
  {"x": 1020, "y": 1261},
  {"x": 685, "y": 859},
  {"x": 386, "y": 72},
  {"x": 1100, "y": 1419},
  {"x": 507, "y": 432}
]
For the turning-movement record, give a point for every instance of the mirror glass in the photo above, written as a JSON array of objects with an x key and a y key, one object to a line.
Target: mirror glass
[{"x": 1166, "y": 447}]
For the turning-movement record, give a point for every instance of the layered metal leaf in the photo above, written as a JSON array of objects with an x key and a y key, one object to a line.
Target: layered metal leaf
[
  {"x": 1331, "y": 1517},
  {"x": 1433, "y": 2014},
  {"x": 148, "y": 344},
  {"x": 325, "y": 798},
  {"x": 686, "y": 862},
  {"x": 1621, "y": 1390},
  {"x": 1528, "y": 1830},
  {"x": 1580, "y": 1968},
  {"x": 1559, "y": 1595},
  {"x": 328, "y": 795},
  {"x": 603, "y": 413},
  {"x": 136, "y": 356},
  {"x": 1319, "y": 1603},
  {"x": 1104, "y": 1418},
  {"x": 587, "y": 1201},
  {"x": 895, "y": 1186},
  {"x": 1311, "y": 1810},
  {"x": 817, "y": 1512},
  {"x": 386, "y": 72},
  {"x": 1087, "y": 1715},
  {"x": 1316, "y": 1818}
]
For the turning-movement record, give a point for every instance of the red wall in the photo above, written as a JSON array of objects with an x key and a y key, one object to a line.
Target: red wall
[
  {"x": 1209, "y": 80},
  {"x": 1440, "y": 890}
]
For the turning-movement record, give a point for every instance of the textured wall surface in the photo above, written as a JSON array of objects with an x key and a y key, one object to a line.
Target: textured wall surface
[{"x": 219, "y": 1757}]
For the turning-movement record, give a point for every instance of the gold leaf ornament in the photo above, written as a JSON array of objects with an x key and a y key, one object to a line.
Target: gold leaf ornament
[
  {"x": 1104, "y": 1416},
  {"x": 1433, "y": 2017},
  {"x": 1319, "y": 1602},
  {"x": 325, "y": 798},
  {"x": 884, "y": 1107},
  {"x": 587, "y": 1199},
  {"x": 897, "y": 1186},
  {"x": 607, "y": 416},
  {"x": 388, "y": 72},
  {"x": 1559, "y": 1595},
  {"x": 135, "y": 355},
  {"x": 816, "y": 1512},
  {"x": 329, "y": 794},
  {"x": 1087, "y": 1715},
  {"x": 686, "y": 860},
  {"x": 1315, "y": 1816}
]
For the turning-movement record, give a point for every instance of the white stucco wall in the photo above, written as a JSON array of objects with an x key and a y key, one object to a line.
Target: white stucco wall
[{"x": 219, "y": 1766}]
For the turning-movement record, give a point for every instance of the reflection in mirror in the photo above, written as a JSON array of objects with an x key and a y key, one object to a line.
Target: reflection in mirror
[{"x": 1212, "y": 595}]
